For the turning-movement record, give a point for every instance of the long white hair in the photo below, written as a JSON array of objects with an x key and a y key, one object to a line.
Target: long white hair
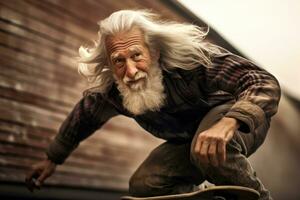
[{"x": 181, "y": 45}]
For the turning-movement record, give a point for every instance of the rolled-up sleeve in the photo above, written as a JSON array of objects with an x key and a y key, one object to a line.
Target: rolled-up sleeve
[
  {"x": 88, "y": 115},
  {"x": 256, "y": 91}
]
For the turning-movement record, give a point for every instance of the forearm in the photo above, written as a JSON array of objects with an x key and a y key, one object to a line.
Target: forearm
[
  {"x": 58, "y": 151},
  {"x": 88, "y": 115},
  {"x": 232, "y": 123},
  {"x": 256, "y": 91}
]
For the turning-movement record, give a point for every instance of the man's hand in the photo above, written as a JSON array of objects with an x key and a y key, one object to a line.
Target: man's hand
[
  {"x": 211, "y": 144},
  {"x": 39, "y": 173}
]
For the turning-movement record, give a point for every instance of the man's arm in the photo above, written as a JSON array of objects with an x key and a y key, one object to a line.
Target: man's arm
[
  {"x": 256, "y": 91},
  {"x": 257, "y": 95},
  {"x": 88, "y": 115}
]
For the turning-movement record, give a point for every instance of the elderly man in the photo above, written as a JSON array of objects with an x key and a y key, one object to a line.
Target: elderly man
[{"x": 212, "y": 107}]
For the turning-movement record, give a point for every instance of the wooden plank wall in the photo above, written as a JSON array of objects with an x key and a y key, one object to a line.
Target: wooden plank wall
[{"x": 39, "y": 85}]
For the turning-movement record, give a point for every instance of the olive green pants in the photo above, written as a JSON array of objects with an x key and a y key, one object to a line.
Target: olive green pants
[{"x": 172, "y": 167}]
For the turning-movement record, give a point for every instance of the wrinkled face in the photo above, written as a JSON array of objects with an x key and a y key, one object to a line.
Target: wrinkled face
[{"x": 129, "y": 57}]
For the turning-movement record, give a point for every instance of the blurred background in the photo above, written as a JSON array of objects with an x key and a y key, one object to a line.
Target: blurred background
[{"x": 39, "y": 85}]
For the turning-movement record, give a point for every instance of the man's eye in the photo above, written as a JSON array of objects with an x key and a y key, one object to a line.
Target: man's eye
[
  {"x": 118, "y": 61},
  {"x": 136, "y": 55}
]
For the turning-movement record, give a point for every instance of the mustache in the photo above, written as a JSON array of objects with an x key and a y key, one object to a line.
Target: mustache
[{"x": 138, "y": 75}]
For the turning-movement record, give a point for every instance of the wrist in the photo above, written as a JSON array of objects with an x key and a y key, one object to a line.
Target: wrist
[
  {"x": 232, "y": 122},
  {"x": 48, "y": 160}
]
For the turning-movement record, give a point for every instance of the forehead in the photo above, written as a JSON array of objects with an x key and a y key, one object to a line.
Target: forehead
[{"x": 124, "y": 40}]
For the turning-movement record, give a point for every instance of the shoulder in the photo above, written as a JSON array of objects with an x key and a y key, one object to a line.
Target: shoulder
[
  {"x": 93, "y": 98},
  {"x": 230, "y": 59}
]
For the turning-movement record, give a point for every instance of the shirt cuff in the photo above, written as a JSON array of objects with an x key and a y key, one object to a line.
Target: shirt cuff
[
  {"x": 58, "y": 152},
  {"x": 250, "y": 115}
]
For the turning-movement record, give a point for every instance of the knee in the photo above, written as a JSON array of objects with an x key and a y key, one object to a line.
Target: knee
[
  {"x": 137, "y": 186},
  {"x": 147, "y": 186},
  {"x": 201, "y": 167}
]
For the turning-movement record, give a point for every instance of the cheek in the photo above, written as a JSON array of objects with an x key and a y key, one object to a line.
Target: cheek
[
  {"x": 119, "y": 73},
  {"x": 144, "y": 65}
]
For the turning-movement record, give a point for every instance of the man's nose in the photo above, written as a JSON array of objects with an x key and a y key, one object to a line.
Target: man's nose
[{"x": 131, "y": 69}]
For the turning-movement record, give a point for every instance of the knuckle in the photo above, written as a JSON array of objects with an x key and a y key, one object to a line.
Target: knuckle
[
  {"x": 204, "y": 134},
  {"x": 202, "y": 137},
  {"x": 195, "y": 151},
  {"x": 211, "y": 153}
]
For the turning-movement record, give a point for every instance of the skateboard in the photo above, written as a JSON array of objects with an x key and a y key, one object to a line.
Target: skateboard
[{"x": 225, "y": 192}]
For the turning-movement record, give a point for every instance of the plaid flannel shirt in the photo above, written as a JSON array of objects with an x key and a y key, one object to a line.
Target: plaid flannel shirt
[{"x": 255, "y": 92}]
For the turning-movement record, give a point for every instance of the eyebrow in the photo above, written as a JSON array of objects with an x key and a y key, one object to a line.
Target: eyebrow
[
  {"x": 135, "y": 48},
  {"x": 114, "y": 55}
]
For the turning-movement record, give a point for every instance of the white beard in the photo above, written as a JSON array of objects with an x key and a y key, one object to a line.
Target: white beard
[{"x": 145, "y": 95}]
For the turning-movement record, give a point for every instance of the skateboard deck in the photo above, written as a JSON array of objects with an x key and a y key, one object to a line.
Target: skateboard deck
[{"x": 225, "y": 192}]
